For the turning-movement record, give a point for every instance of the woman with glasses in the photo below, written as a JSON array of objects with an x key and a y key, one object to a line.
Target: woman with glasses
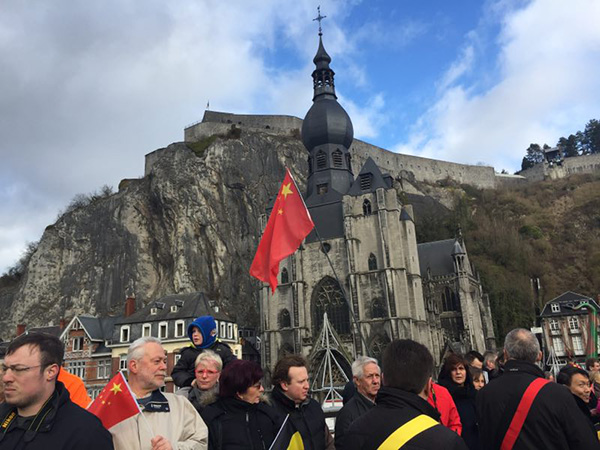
[
  {"x": 205, "y": 387},
  {"x": 239, "y": 419}
]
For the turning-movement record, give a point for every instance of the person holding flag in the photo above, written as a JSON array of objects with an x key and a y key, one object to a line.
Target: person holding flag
[
  {"x": 162, "y": 421},
  {"x": 288, "y": 225}
]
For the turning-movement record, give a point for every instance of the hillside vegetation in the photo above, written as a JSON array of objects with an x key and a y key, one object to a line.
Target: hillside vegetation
[{"x": 548, "y": 231}]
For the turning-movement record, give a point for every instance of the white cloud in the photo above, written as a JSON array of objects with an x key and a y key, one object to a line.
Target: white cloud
[{"x": 547, "y": 86}]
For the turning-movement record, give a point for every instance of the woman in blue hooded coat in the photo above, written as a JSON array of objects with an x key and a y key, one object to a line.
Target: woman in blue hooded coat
[{"x": 203, "y": 334}]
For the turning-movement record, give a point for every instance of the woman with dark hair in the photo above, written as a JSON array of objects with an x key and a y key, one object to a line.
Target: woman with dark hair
[
  {"x": 239, "y": 419},
  {"x": 455, "y": 377}
]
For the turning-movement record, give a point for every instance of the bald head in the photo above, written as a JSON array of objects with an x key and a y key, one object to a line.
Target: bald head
[{"x": 522, "y": 345}]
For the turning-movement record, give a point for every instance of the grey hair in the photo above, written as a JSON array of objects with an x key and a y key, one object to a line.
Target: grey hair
[
  {"x": 209, "y": 355},
  {"x": 522, "y": 345},
  {"x": 358, "y": 366},
  {"x": 136, "y": 349},
  {"x": 489, "y": 356}
]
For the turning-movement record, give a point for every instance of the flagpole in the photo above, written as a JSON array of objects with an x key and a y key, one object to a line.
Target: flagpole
[
  {"x": 352, "y": 315},
  {"x": 138, "y": 405}
]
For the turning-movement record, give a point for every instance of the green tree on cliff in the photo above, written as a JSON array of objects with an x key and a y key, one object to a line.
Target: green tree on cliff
[
  {"x": 534, "y": 156},
  {"x": 569, "y": 146}
]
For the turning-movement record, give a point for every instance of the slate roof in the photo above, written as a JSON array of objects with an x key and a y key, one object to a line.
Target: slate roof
[
  {"x": 98, "y": 328},
  {"x": 53, "y": 330},
  {"x": 189, "y": 306},
  {"x": 437, "y": 256},
  {"x": 565, "y": 300},
  {"x": 377, "y": 181}
]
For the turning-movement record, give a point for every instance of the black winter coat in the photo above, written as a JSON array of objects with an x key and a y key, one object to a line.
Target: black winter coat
[
  {"x": 234, "y": 424},
  {"x": 60, "y": 425},
  {"x": 183, "y": 372},
  {"x": 356, "y": 407},
  {"x": 308, "y": 419},
  {"x": 464, "y": 399},
  {"x": 554, "y": 421},
  {"x": 393, "y": 409}
]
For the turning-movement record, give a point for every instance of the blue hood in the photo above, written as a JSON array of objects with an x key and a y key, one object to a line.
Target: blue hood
[{"x": 208, "y": 329}]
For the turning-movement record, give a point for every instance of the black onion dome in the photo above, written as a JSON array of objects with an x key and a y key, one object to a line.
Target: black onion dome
[
  {"x": 322, "y": 58},
  {"x": 326, "y": 122}
]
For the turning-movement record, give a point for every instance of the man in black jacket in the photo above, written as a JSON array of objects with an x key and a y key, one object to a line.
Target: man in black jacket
[
  {"x": 38, "y": 413},
  {"x": 553, "y": 421},
  {"x": 402, "y": 418},
  {"x": 366, "y": 376},
  {"x": 290, "y": 396}
]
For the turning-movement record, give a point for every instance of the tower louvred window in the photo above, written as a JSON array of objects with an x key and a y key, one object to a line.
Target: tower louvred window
[
  {"x": 365, "y": 181},
  {"x": 321, "y": 160},
  {"x": 337, "y": 158}
]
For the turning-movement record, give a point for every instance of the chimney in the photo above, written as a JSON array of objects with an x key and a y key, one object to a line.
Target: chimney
[
  {"x": 62, "y": 324},
  {"x": 21, "y": 329},
  {"x": 130, "y": 305}
]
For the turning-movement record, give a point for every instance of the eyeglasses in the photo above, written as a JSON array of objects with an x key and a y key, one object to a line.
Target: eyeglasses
[
  {"x": 206, "y": 372},
  {"x": 19, "y": 370}
]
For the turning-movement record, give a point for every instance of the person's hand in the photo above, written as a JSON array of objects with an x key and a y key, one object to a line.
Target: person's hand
[{"x": 160, "y": 443}]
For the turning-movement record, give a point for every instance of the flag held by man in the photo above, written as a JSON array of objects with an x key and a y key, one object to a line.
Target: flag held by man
[
  {"x": 115, "y": 403},
  {"x": 288, "y": 225}
]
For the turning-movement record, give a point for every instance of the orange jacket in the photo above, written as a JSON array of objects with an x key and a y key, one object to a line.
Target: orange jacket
[
  {"x": 440, "y": 399},
  {"x": 76, "y": 388}
]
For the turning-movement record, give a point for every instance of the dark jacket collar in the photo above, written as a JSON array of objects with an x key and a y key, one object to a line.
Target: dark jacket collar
[
  {"x": 157, "y": 403},
  {"x": 43, "y": 420},
  {"x": 390, "y": 397},
  {"x": 513, "y": 366},
  {"x": 364, "y": 400},
  {"x": 289, "y": 404}
]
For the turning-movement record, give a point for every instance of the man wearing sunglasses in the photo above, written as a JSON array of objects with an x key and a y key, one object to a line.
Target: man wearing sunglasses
[{"x": 38, "y": 413}]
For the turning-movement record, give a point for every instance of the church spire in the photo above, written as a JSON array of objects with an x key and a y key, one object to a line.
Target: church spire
[{"x": 322, "y": 75}]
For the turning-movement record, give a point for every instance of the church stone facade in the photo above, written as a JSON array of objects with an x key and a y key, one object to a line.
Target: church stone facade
[{"x": 366, "y": 240}]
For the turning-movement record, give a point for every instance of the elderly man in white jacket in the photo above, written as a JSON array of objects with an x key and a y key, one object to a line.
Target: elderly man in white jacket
[{"x": 168, "y": 421}]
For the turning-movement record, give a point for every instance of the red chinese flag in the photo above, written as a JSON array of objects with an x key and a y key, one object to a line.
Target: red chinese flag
[
  {"x": 115, "y": 403},
  {"x": 287, "y": 227}
]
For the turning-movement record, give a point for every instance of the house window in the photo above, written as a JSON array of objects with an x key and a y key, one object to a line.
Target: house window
[
  {"x": 285, "y": 278},
  {"x": 76, "y": 368},
  {"x": 125, "y": 333},
  {"x": 555, "y": 307},
  {"x": 177, "y": 357},
  {"x": 76, "y": 325},
  {"x": 173, "y": 308},
  {"x": 123, "y": 362},
  {"x": 372, "y": 262},
  {"x": 223, "y": 330},
  {"x": 78, "y": 344},
  {"x": 146, "y": 330},
  {"x": 578, "y": 345},
  {"x": 574, "y": 324},
  {"x": 153, "y": 310},
  {"x": 104, "y": 368},
  {"x": 229, "y": 331},
  {"x": 179, "y": 328},
  {"x": 559, "y": 346},
  {"x": 163, "y": 330},
  {"x": 367, "y": 208},
  {"x": 554, "y": 325}
]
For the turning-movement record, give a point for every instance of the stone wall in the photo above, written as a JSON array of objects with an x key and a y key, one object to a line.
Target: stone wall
[{"x": 569, "y": 166}]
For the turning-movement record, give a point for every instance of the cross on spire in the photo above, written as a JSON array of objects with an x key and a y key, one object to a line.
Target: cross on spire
[{"x": 319, "y": 18}]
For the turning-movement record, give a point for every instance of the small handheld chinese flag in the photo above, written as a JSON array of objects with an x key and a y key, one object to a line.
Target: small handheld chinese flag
[
  {"x": 115, "y": 403},
  {"x": 287, "y": 227}
]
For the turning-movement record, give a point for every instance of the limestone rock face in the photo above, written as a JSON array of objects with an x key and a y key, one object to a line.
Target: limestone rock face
[{"x": 191, "y": 224}]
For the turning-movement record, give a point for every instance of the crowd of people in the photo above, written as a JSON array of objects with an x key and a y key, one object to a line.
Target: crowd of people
[{"x": 490, "y": 401}]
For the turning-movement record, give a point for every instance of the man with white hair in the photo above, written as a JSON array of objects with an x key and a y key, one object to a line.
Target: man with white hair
[
  {"x": 366, "y": 375},
  {"x": 167, "y": 421}
]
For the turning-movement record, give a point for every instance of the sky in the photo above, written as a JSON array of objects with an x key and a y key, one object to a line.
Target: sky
[{"x": 88, "y": 88}]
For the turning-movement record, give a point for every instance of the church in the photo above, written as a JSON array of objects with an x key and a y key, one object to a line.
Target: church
[{"x": 362, "y": 270}]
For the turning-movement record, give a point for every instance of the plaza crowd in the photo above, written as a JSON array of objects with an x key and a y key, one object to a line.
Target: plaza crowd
[{"x": 490, "y": 401}]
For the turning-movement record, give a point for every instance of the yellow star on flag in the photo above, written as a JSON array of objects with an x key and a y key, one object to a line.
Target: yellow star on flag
[
  {"x": 280, "y": 211},
  {"x": 116, "y": 388},
  {"x": 285, "y": 190}
]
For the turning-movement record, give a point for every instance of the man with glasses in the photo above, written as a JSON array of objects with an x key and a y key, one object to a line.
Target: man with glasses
[{"x": 38, "y": 413}]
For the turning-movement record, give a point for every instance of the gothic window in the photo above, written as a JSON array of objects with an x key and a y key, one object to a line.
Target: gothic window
[
  {"x": 284, "y": 319},
  {"x": 378, "y": 345},
  {"x": 321, "y": 159},
  {"x": 367, "y": 208},
  {"x": 328, "y": 299},
  {"x": 286, "y": 349},
  {"x": 285, "y": 278},
  {"x": 337, "y": 158},
  {"x": 449, "y": 300},
  {"x": 372, "y": 262},
  {"x": 365, "y": 181},
  {"x": 377, "y": 308}
]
